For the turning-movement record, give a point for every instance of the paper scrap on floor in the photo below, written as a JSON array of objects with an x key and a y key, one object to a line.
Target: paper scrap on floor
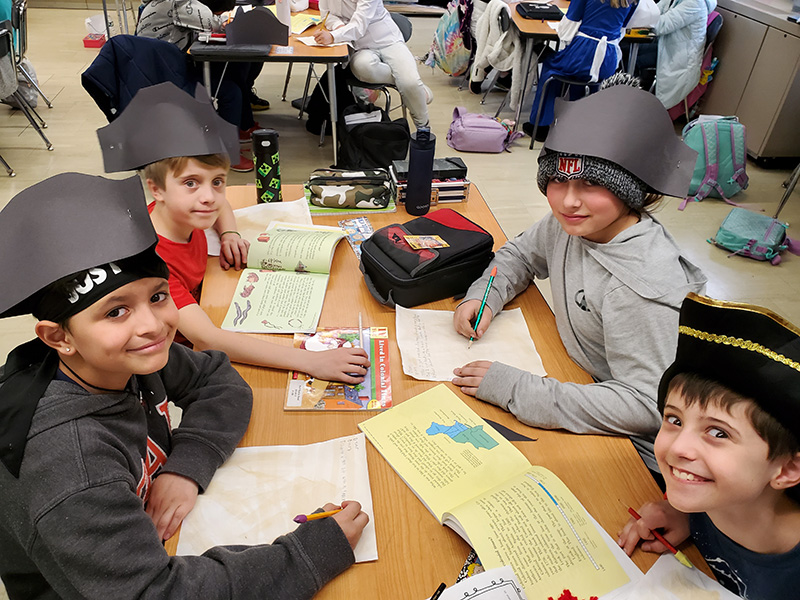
[
  {"x": 252, "y": 220},
  {"x": 668, "y": 579},
  {"x": 254, "y": 497},
  {"x": 431, "y": 348}
]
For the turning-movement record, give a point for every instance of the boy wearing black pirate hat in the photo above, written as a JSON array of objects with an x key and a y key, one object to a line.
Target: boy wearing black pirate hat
[
  {"x": 729, "y": 448},
  {"x": 181, "y": 145},
  {"x": 92, "y": 478},
  {"x": 618, "y": 277}
]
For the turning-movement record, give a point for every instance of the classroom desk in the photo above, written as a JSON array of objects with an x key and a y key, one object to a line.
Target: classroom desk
[
  {"x": 533, "y": 30},
  {"x": 300, "y": 53},
  {"x": 415, "y": 552}
]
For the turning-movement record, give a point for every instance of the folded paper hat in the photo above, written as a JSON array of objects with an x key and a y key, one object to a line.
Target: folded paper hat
[
  {"x": 65, "y": 224},
  {"x": 163, "y": 121},
  {"x": 747, "y": 348},
  {"x": 629, "y": 127}
]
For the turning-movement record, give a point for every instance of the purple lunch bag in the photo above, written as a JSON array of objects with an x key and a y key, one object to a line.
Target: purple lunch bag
[{"x": 471, "y": 132}]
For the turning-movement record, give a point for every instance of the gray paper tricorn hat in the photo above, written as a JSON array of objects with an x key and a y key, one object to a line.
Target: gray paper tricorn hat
[
  {"x": 163, "y": 121},
  {"x": 65, "y": 224},
  {"x": 627, "y": 126}
]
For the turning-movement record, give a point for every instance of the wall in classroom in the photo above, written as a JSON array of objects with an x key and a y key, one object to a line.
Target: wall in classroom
[{"x": 758, "y": 78}]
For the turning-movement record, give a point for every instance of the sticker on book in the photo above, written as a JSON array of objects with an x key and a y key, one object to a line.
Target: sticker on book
[{"x": 420, "y": 242}]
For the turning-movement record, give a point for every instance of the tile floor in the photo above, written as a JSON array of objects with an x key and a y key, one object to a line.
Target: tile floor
[{"x": 506, "y": 180}]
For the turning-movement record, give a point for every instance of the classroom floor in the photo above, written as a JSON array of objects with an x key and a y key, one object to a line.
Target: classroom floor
[{"x": 506, "y": 180}]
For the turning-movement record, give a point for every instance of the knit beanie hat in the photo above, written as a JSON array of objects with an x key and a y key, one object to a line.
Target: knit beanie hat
[{"x": 599, "y": 171}]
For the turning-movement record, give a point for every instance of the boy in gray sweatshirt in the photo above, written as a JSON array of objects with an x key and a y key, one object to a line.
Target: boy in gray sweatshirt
[
  {"x": 93, "y": 478},
  {"x": 618, "y": 277}
]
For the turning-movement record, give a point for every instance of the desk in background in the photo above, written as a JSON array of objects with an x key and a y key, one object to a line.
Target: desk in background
[
  {"x": 415, "y": 552},
  {"x": 328, "y": 55}
]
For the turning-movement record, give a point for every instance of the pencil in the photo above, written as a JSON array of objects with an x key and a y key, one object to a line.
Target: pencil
[
  {"x": 438, "y": 591},
  {"x": 678, "y": 554},
  {"x": 483, "y": 304},
  {"x": 315, "y": 516},
  {"x": 325, "y": 18},
  {"x": 360, "y": 331}
]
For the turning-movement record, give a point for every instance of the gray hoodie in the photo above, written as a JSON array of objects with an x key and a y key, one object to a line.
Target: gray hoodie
[
  {"x": 616, "y": 307},
  {"x": 73, "y": 524}
]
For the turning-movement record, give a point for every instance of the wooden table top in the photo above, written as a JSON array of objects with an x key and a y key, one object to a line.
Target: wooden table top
[{"x": 415, "y": 552}]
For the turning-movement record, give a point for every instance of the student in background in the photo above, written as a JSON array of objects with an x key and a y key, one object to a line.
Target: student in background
[
  {"x": 178, "y": 22},
  {"x": 93, "y": 478},
  {"x": 380, "y": 54},
  {"x": 591, "y": 30},
  {"x": 618, "y": 277},
  {"x": 183, "y": 145},
  {"x": 729, "y": 448}
]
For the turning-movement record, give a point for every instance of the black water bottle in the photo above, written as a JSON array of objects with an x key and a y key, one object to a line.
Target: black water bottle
[
  {"x": 420, "y": 171},
  {"x": 267, "y": 164}
]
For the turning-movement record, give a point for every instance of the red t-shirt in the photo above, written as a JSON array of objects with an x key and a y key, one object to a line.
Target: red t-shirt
[{"x": 187, "y": 265}]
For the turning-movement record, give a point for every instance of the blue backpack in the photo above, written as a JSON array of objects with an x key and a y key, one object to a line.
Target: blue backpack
[{"x": 721, "y": 158}]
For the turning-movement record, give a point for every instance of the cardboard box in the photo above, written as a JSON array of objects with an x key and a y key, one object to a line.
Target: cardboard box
[{"x": 94, "y": 40}]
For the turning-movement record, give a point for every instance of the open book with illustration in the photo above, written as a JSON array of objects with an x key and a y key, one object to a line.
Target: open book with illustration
[
  {"x": 476, "y": 482},
  {"x": 304, "y": 392},
  {"x": 283, "y": 287}
]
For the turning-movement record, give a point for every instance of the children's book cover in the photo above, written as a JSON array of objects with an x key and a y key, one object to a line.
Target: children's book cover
[{"x": 304, "y": 392}]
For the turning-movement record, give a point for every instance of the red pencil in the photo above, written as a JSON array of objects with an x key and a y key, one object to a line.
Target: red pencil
[{"x": 678, "y": 554}]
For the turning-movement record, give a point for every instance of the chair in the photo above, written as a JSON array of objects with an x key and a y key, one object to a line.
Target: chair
[
  {"x": 19, "y": 22},
  {"x": 566, "y": 83},
  {"x": 10, "y": 87},
  {"x": 127, "y": 63},
  {"x": 406, "y": 29}
]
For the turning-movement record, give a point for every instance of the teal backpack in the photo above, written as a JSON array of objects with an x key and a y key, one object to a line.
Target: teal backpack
[
  {"x": 721, "y": 158},
  {"x": 754, "y": 235}
]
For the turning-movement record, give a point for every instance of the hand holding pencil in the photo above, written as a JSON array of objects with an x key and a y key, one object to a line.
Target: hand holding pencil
[
  {"x": 660, "y": 528},
  {"x": 350, "y": 518}
]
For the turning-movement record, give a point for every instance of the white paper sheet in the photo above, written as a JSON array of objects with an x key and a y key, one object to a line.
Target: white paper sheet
[
  {"x": 254, "y": 496},
  {"x": 310, "y": 41},
  {"x": 252, "y": 220},
  {"x": 494, "y": 584},
  {"x": 431, "y": 348},
  {"x": 670, "y": 580}
]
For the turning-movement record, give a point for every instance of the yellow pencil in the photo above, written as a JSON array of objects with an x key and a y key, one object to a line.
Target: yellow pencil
[
  {"x": 315, "y": 516},
  {"x": 325, "y": 18}
]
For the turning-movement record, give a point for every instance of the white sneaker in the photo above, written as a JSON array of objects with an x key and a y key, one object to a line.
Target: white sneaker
[{"x": 428, "y": 94}]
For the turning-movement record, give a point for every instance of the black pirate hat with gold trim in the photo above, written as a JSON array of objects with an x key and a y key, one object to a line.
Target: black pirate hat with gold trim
[{"x": 747, "y": 348}]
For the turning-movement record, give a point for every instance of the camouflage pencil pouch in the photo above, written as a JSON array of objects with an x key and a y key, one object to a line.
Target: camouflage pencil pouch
[{"x": 359, "y": 189}]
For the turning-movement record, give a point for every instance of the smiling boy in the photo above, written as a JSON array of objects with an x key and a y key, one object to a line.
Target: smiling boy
[
  {"x": 184, "y": 147},
  {"x": 618, "y": 277},
  {"x": 93, "y": 478},
  {"x": 728, "y": 448}
]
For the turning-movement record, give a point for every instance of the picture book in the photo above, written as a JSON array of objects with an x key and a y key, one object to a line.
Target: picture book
[
  {"x": 283, "y": 287},
  {"x": 303, "y": 392},
  {"x": 255, "y": 495},
  {"x": 477, "y": 483}
]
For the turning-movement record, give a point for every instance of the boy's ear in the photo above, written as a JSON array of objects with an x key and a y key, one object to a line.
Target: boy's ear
[
  {"x": 789, "y": 475},
  {"x": 55, "y": 336},
  {"x": 156, "y": 192}
]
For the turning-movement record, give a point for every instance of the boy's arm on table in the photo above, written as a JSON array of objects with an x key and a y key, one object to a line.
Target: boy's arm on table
[
  {"x": 100, "y": 543},
  {"x": 671, "y": 523},
  {"x": 233, "y": 248},
  {"x": 638, "y": 351},
  {"x": 331, "y": 365}
]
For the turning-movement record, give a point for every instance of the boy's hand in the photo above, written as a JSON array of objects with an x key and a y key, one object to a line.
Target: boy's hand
[
  {"x": 233, "y": 251},
  {"x": 465, "y": 316},
  {"x": 171, "y": 498},
  {"x": 348, "y": 365},
  {"x": 352, "y": 520},
  {"x": 469, "y": 377},
  {"x": 324, "y": 37},
  {"x": 671, "y": 523}
]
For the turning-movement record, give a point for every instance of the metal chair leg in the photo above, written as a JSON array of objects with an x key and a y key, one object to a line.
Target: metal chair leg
[
  {"x": 35, "y": 85},
  {"x": 492, "y": 80},
  {"x": 286, "y": 83},
  {"x": 23, "y": 104},
  {"x": 9, "y": 170},
  {"x": 33, "y": 112},
  {"x": 539, "y": 110},
  {"x": 790, "y": 184},
  {"x": 305, "y": 91}
]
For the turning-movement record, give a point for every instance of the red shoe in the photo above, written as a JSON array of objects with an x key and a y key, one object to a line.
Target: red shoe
[
  {"x": 246, "y": 134},
  {"x": 245, "y": 165}
]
